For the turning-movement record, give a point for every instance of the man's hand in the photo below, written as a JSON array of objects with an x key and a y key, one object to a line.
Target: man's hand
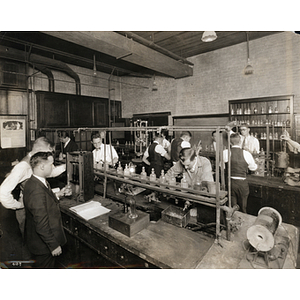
[{"x": 56, "y": 251}]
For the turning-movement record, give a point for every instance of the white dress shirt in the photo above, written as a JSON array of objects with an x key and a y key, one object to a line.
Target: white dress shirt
[
  {"x": 19, "y": 173},
  {"x": 98, "y": 154}
]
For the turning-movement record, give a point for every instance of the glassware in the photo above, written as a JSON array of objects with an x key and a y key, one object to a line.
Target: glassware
[
  {"x": 172, "y": 182},
  {"x": 152, "y": 176},
  {"x": 143, "y": 174}
]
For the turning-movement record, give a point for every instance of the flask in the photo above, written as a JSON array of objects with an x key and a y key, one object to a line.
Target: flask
[
  {"x": 152, "y": 176},
  {"x": 172, "y": 182},
  {"x": 126, "y": 172},
  {"x": 162, "y": 178},
  {"x": 288, "y": 109},
  {"x": 270, "y": 109},
  {"x": 120, "y": 169},
  {"x": 184, "y": 183},
  {"x": 143, "y": 174},
  {"x": 197, "y": 185},
  {"x": 276, "y": 110},
  {"x": 255, "y": 110},
  {"x": 232, "y": 110}
]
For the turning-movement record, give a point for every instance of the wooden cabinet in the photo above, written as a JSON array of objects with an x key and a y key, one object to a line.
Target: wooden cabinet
[
  {"x": 282, "y": 198},
  {"x": 274, "y": 112},
  {"x": 57, "y": 110},
  {"x": 86, "y": 248}
]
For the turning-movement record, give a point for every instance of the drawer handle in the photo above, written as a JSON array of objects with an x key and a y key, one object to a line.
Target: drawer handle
[
  {"x": 90, "y": 232},
  {"x": 122, "y": 257},
  {"x": 105, "y": 247},
  {"x": 67, "y": 222}
]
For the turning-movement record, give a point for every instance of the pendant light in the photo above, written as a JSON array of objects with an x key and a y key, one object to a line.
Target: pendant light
[
  {"x": 248, "y": 69},
  {"x": 154, "y": 86},
  {"x": 94, "y": 68},
  {"x": 208, "y": 36}
]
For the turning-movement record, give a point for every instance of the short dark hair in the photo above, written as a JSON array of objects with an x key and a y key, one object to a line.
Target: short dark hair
[
  {"x": 183, "y": 133},
  {"x": 164, "y": 132},
  {"x": 63, "y": 134},
  {"x": 157, "y": 135},
  {"x": 235, "y": 138},
  {"x": 95, "y": 136},
  {"x": 244, "y": 125},
  {"x": 38, "y": 157},
  {"x": 187, "y": 153}
]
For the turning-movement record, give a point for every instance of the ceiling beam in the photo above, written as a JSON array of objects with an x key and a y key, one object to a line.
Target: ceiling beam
[{"x": 118, "y": 46}]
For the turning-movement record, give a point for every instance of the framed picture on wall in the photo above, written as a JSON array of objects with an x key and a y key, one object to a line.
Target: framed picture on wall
[{"x": 12, "y": 131}]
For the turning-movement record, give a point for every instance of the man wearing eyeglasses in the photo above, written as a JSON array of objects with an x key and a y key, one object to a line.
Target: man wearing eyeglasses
[
  {"x": 249, "y": 142},
  {"x": 196, "y": 167}
]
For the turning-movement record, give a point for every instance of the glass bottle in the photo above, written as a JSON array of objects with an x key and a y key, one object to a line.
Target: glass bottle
[
  {"x": 276, "y": 110},
  {"x": 172, "y": 182},
  {"x": 255, "y": 110},
  {"x": 184, "y": 183},
  {"x": 288, "y": 109},
  {"x": 232, "y": 110},
  {"x": 126, "y": 172},
  {"x": 143, "y": 174},
  {"x": 120, "y": 169},
  {"x": 162, "y": 178},
  {"x": 197, "y": 185},
  {"x": 152, "y": 175},
  {"x": 270, "y": 109}
]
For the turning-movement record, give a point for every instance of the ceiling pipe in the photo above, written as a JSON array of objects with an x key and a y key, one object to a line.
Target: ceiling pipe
[
  {"x": 154, "y": 46},
  {"x": 58, "y": 65},
  {"x": 43, "y": 63},
  {"x": 48, "y": 73}
]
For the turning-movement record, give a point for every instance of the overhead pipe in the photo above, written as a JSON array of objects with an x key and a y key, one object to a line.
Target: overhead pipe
[
  {"x": 58, "y": 65},
  {"x": 43, "y": 63},
  {"x": 48, "y": 73},
  {"x": 154, "y": 46}
]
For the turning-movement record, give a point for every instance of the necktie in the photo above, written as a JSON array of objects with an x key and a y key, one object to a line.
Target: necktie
[{"x": 48, "y": 185}]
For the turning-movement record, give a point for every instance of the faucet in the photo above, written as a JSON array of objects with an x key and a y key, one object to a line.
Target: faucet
[{"x": 229, "y": 211}]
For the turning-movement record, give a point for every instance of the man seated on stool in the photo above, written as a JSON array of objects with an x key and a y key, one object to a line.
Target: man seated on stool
[
  {"x": 196, "y": 167},
  {"x": 179, "y": 143},
  {"x": 111, "y": 156},
  {"x": 44, "y": 234},
  {"x": 241, "y": 161}
]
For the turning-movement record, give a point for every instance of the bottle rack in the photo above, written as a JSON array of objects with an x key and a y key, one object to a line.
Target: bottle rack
[{"x": 258, "y": 113}]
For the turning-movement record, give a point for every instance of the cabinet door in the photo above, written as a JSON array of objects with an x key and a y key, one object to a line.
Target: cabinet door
[
  {"x": 53, "y": 112},
  {"x": 254, "y": 202},
  {"x": 283, "y": 201},
  {"x": 81, "y": 113},
  {"x": 101, "y": 117}
]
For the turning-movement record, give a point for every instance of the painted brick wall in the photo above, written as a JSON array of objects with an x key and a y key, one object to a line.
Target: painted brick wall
[{"x": 218, "y": 77}]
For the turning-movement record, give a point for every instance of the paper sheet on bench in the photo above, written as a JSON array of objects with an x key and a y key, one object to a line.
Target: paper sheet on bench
[{"x": 90, "y": 210}]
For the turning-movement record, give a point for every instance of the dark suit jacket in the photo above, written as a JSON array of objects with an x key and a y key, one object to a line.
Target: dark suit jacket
[
  {"x": 43, "y": 225},
  {"x": 72, "y": 146}
]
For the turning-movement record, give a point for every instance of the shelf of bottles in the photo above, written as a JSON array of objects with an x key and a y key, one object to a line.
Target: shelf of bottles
[{"x": 258, "y": 113}]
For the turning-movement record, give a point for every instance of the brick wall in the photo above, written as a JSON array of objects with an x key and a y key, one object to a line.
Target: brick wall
[{"x": 218, "y": 77}]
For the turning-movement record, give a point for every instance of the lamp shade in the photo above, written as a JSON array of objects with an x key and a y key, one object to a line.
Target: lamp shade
[{"x": 208, "y": 36}]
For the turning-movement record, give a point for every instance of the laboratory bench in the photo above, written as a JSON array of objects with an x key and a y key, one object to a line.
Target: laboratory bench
[
  {"x": 93, "y": 244},
  {"x": 273, "y": 192}
]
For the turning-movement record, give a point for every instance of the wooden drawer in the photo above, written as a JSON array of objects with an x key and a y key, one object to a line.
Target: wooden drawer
[
  {"x": 66, "y": 221},
  {"x": 103, "y": 246}
]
